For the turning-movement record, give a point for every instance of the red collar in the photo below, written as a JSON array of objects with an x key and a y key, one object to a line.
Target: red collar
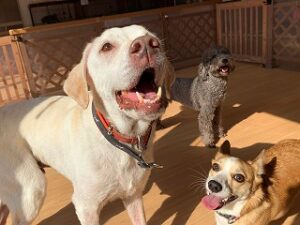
[{"x": 141, "y": 142}]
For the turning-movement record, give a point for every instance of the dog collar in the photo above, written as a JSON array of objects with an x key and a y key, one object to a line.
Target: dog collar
[
  {"x": 141, "y": 142},
  {"x": 117, "y": 139},
  {"x": 230, "y": 218}
]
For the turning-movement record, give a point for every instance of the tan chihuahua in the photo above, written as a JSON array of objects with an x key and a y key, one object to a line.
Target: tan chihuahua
[{"x": 256, "y": 192}]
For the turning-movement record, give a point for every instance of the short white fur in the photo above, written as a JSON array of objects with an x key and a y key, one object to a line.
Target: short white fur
[{"x": 60, "y": 133}]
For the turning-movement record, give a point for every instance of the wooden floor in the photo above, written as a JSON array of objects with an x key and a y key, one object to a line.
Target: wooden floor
[{"x": 262, "y": 107}]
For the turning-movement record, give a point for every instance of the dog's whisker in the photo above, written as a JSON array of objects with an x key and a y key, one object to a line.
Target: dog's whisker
[
  {"x": 197, "y": 188},
  {"x": 198, "y": 184},
  {"x": 202, "y": 174}
]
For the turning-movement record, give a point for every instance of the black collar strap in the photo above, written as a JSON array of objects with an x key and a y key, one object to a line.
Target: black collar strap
[
  {"x": 125, "y": 148},
  {"x": 230, "y": 218}
]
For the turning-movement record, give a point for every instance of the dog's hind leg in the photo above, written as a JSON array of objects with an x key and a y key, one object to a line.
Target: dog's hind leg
[
  {"x": 3, "y": 213},
  {"x": 30, "y": 199},
  {"x": 205, "y": 120},
  {"x": 135, "y": 209},
  {"x": 22, "y": 188}
]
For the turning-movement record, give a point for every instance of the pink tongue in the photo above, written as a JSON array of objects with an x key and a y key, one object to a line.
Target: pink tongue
[
  {"x": 130, "y": 96},
  {"x": 212, "y": 202},
  {"x": 133, "y": 97},
  {"x": 150, "y": 95}
]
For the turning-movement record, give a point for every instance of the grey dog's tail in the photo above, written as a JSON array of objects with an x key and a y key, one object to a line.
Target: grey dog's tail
[{"x": 181, "y": 91}]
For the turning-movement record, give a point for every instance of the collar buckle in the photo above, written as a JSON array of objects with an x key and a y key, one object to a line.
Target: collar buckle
[{"x": 109, "y": 130}]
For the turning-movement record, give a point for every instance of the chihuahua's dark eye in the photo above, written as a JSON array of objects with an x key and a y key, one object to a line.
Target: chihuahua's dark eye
[
  {"x": 239, "y": 178},
  {"x": 215, "y": 167},
  {"x": 107, "y": 47}
]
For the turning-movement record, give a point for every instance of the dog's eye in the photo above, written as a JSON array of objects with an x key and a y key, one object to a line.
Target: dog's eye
[
  {"x": 107, "y": 47},
  {"x": 215, "y": 167},
  {"x": 239, "y": 178}
]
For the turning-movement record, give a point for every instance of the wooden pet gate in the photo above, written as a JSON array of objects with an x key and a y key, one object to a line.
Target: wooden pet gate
[
  {"x": 13, "y": 85},
  {"x": 286, "y": 31},
  {"x": 36, "y": 61},
  {"x": 245, "y": 28},
  {"x": 49, "y": 52}
]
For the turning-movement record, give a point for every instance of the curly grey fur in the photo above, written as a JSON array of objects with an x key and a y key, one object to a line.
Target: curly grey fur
[{"x": 206, "y": 92}]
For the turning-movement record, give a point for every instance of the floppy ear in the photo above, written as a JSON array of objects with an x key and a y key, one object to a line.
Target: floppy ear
[
  {"x": 76, "y": 85},
  {"x": 200, "y": 68},
  {"x": 169, "y": 72},
  {"x": 202, "y": 72}
]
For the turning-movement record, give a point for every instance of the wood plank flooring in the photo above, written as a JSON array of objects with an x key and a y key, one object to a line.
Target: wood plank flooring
[{"x": 261, "y": 108}]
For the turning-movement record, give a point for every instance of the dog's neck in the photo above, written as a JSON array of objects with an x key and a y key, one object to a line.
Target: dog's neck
[
  {"x": 207, "y": 76},
  {"x": 233, "y": 210},
  {"x": 122, "y": 123},
  {"x": 211, "y": 82},
  {"x": 254, "y": 200},
  {"x": 240, "y": 208}
]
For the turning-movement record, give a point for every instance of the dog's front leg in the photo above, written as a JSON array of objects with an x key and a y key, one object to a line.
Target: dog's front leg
[
  {"x": 3, "y": 213},
  {"x": 87, "y": 206},
  {"x": 205, "y": 120},
  {"x": 261, "y": 215},
  {"x": 135, "y": 209},
  {"x": 218, "y": 127}
]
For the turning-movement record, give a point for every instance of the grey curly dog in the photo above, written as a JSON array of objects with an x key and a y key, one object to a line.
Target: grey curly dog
[{"x": 206, "y": 92}]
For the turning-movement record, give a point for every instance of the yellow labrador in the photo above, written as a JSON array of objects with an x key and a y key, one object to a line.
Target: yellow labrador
[{"x": 129, "y": 77}]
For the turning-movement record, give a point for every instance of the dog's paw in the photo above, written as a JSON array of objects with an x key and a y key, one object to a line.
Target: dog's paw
[
  {"x": 222, "y": 135},
  {"x": 221, "y": 132},
  {"x": 212, "y": 145},
  {"x": 208, "y": 140}
]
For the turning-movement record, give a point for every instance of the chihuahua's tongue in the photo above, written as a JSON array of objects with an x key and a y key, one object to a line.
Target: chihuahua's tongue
[{"x": 212, "y": 202}]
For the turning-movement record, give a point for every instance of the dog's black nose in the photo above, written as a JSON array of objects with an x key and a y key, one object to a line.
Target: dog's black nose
[
  {"x": 214, "y": 186},
  {"x": 224, "y": 61}
]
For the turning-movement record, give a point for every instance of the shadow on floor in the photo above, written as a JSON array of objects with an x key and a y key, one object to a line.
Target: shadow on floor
[
  {"x": 184, "y": 164},
  {"x": 269, "y": 92},
  {"x": 256, "y": 89},
  {"x": 67, "y": 215}
]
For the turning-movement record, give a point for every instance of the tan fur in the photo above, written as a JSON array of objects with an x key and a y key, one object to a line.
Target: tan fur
[
  {"x": 285, "y": 182},
  {"x": 272, "y": 195}
]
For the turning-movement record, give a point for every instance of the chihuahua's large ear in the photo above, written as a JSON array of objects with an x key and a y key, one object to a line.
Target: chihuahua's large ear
[
  {"x": 169, "y": 72},
  {"x": 225, "y": 148},
  {"x": 258, "y": 163},
  {"x": 76, "y": 85}
]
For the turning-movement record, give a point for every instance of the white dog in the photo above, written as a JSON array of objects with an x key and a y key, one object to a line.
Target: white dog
[{"x": 129, "y": 77}]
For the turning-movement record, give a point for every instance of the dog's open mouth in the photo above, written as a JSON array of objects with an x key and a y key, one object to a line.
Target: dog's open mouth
[
  {"x": 213, "y": 202},
  {"x": 224, "y": 70},
  {"x": 145, "y": 96}
]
